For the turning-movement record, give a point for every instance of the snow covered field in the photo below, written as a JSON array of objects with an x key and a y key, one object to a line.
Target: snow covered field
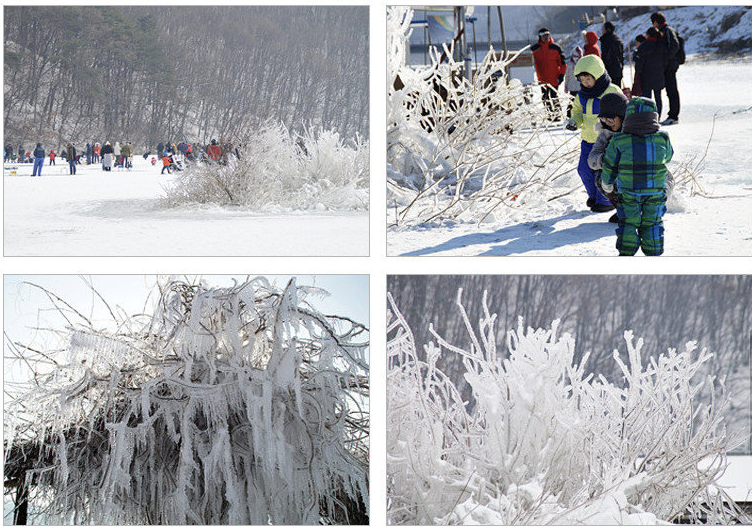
[
  {"x": 120, "y": 213},
  {"x": 719, "y": 225}
]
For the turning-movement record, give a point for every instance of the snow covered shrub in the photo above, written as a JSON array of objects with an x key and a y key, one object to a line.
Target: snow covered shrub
[
  {"x": 280, "y": 171},
  {"x": 231, "y": 405},
  {"x": 459, "y": 149},
  {"x": 540, "y": 442}
]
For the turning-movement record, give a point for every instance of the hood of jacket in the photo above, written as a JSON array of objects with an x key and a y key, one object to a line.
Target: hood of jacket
[
  {"x": 640, "y": 105},
  {"x": 602, "y": 129},
  {"x": 591, "y": 64},
  {"x": 641, "y": 117},
  {"x": 591, "y": 37},
  {"x": 576, "y": 54}
]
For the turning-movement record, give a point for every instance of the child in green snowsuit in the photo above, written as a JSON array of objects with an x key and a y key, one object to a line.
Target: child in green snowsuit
[{"x": 635, "y": 161}]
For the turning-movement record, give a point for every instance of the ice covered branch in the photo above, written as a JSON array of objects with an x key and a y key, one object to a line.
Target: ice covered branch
[
  {"x": 277, "y": 170},
  {"x": 239, "y": 405},
  {"x": 461, "y": 149}
]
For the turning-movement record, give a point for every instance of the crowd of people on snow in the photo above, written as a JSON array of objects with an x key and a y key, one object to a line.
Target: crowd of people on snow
[
  {"x": 623, "y": 151},
  {"x": 213, "y": 152},
  {"x": 110, "y": 156},
  {"x": 657, "y": 55},
  {"x": 107, "y": 155}
]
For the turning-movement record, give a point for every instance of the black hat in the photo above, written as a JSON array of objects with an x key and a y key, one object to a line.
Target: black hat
[
  {"x": 613, "y": 105},
  {"x": 543, "y": 31}
]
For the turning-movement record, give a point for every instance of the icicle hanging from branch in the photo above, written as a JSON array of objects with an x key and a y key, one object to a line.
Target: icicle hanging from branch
[{"x": 239, "y": 405}]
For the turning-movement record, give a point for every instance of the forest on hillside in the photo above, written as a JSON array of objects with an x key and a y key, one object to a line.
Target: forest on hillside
[{"x": 147, "y": 74}]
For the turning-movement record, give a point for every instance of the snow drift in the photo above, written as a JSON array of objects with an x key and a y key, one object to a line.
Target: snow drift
[
  {"x": 238, "y": 405},
  {"x": 540, "y": 442}
]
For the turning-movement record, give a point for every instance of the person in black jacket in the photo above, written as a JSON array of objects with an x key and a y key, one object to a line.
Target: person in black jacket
[
  {"x": 70, "y": 151},
  {"x": 612, "y": 53},
  {"x": 651, "y": 60},
  {"x": 38, "y": 160},
  {"x": 671, "y": 43},
  {"x": 108, "y": 154}
]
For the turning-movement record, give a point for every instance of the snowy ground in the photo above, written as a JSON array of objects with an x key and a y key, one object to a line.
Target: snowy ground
[
  {"x": 718, "y": 226},
  {"x": 119, "y": 213}
]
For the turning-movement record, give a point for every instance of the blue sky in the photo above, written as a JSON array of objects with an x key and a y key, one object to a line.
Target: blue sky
[{"x": 26, "y": 307}]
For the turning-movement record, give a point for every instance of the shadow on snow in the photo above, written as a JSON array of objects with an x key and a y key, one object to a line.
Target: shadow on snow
[{"x": 525, "y": 237}]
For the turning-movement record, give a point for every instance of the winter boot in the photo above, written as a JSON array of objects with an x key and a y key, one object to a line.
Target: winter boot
[
  {"x": 590, "y": 202},
  {"x": 614, "y": 219},
  {"x": 602, "y": 208}
]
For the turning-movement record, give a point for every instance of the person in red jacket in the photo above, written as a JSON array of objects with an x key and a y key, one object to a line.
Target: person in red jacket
[
  {"x": 214, "y": 151},
  {"x": 166, "y": 162},
  {"x": 550, "y": 66},
  {"x": 591, "y": 43}
]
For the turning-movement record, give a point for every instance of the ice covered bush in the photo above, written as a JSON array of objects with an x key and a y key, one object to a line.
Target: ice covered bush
[
  {"x": 540, "y": 442},
  {"x": 238, "y": 405},
  {"x": 461, "y": 149},
  {"x": 281, "y": 171}
]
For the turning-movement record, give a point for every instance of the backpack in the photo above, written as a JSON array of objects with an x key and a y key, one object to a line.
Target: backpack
[{"x": 681, "y": 56}]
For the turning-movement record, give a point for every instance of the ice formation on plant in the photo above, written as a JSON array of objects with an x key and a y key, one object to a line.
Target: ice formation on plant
[
  {"x": 237, "y": 405},
  {"x": 458, "y": 148},
  {"x": 281, "y": 171},
  {"x": 543, "y": 442}
]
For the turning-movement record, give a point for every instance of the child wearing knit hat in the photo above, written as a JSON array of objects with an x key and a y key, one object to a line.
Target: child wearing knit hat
[{"x": 610, "y": 117}]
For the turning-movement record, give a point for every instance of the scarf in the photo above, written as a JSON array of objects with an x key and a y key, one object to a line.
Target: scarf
[
  {"x": 641, "y": 123},
  {"x": 601, "y": 83}
]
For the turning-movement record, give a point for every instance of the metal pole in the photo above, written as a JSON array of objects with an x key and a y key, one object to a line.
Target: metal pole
[
  {"x": 488, "y": 19},
  {"x": 457, "y": 51},
  {"x": 475, "y": 44}
]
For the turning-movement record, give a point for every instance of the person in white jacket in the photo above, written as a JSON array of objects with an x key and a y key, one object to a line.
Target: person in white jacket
[{"x": 571, "y": 84}]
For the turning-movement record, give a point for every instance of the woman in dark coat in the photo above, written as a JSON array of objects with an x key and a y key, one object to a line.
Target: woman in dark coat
[
  {"x": 651, "y": 59},
  {"x": 107, "y": 157}
]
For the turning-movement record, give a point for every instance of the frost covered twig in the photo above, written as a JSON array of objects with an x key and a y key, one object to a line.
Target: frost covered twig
[{"x": 459, "y": 148}]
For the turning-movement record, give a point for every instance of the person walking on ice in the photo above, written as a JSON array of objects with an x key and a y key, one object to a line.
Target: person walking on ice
[
  {"x": 71, "y": 154},
  {"x": 634, "y": 166},
  {"x": 38, "y": 160},
  {"x": 550, "y": 66},
  {"x": 107, "y": 157},
  {"x": 670, "y": 39}
]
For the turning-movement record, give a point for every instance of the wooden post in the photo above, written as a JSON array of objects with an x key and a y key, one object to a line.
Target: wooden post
[
  {"x": 503, "y": 33},
  {"x": 503, "y": 43}
]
